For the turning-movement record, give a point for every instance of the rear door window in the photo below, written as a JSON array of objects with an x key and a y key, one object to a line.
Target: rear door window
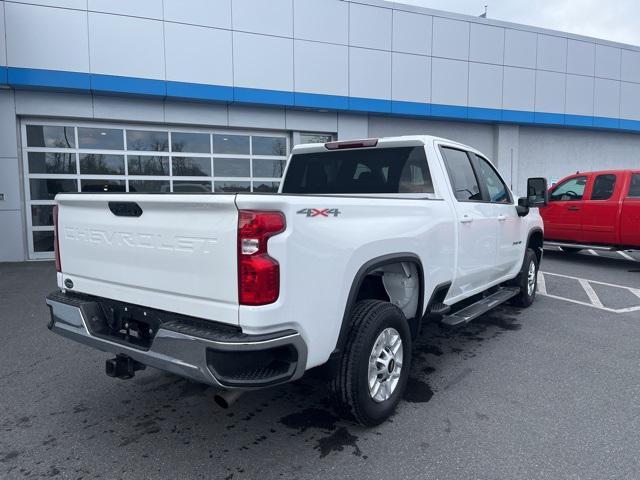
[
  {"x": 364, "y": 171},
  {"x": 569, "y": 190},
  {"x": 634, "y": 188},
  {"x": 461, "y": 174},
  {"x": 603, "y": 187}
]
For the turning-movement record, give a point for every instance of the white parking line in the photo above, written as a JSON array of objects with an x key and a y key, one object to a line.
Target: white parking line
[
  {"x": 626, "y": 256},
  {"x": 591, "y": 293},
  {"x": 542, "y": 285},
  {"x": 593, "y": 252},
  {"x": 593, "y": 297}
]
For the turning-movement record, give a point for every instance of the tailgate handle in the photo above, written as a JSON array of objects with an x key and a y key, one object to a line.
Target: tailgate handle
[{"x": 125, "y": 209}]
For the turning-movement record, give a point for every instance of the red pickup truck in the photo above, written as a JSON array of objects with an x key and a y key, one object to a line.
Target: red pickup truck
[{"x": 594, "y": 210}]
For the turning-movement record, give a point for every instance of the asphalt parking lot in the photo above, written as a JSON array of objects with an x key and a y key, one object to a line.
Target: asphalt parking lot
[{"x": 550, "y": 392}]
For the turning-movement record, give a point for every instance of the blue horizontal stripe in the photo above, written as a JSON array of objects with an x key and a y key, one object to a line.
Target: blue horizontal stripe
[
  {"x": 517, "y": 116},
  {"x": 549, "y": 118},
  {"x": 578, "y": 120},
  {"x": 632, "y": 125},
  {"x": 85, "y": 82},
  {"x": 374, "y": 105},
  {"x": 448, "y": 111},
  {"x": 476, "y": 113},
  {"x": 317, "y": 100},
  {"x": 197, "y": 91},
  {"x": 605, "y": 122},
  {"x": 54, "y": 79},
  {"x": 127, "y": 85},
  {"x": 410, "y": 108},
  {"x": 266, "y": 97}
]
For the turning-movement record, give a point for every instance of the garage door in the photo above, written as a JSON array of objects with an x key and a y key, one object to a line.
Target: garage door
[{"x": 60, "y": 156}]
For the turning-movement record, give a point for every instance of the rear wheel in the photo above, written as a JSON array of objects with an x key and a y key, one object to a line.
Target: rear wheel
[
  {"x": 570, "y": 249},
  {"x": 374, "y": 367},
  {"x": 527, "y": 280}
]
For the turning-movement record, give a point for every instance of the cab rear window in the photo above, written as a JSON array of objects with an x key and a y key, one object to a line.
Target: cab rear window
[{"x": 363, "y": 171}]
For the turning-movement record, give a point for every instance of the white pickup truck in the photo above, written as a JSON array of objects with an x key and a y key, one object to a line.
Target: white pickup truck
[{"x": 365, "y": 241}]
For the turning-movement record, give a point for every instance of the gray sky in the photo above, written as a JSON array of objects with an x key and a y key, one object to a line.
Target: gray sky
[{"x": 617, "y": 20}]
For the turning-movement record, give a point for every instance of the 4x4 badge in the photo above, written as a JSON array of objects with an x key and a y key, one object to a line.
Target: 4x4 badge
[{"x": 319, "y": 212}]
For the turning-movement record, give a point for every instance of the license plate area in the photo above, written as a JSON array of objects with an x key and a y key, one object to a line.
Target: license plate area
[{"x": 123, "y": 323}]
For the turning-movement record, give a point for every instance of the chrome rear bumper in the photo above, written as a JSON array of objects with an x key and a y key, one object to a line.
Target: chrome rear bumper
[{"x": 201, "y": 354}]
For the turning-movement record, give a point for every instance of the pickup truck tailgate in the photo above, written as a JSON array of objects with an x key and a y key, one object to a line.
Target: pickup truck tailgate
[{"x": 179, "y": 254}]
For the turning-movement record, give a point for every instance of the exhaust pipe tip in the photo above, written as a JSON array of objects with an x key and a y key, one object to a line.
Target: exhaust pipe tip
[{"x": 226, "y": 398}]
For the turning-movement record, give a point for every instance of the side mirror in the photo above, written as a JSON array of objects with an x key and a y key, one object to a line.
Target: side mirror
[{"x": 537, "y": 193}]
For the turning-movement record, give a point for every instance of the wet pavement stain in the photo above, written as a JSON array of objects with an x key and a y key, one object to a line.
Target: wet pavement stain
[
  {"x": 417, "y": 391},
  {"x": 5, "y": 457},
  {"x": 503, "y": 322},
  {"x": 337, "y": 441},
  {"x": 310, "y": 418}
]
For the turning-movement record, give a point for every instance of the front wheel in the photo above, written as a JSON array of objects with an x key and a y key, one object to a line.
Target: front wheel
[
  {"x": 375, "y": 364},
  {"x": 527, "y": 280}
]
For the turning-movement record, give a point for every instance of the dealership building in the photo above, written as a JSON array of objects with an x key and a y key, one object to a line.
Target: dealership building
[{"x": 211, "y": 95}]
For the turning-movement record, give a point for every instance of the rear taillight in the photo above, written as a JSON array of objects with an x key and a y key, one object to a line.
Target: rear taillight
[
  {"x": 56, "y": 243},
  {"x": 258, "y": 273}
]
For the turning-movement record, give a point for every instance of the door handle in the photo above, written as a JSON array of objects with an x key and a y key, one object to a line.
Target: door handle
[
  {"x": 501, "y": 218},
  {"x": 573, "y": 209},
  {"x": 466, "y": 219}
]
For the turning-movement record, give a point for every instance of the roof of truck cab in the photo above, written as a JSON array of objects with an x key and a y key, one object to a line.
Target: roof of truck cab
[
  {"x": 604, "y": 172},
  {"x": 398, "y": 141}
]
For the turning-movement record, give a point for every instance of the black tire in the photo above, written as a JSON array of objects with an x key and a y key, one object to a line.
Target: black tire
[
  {"x": 524, "y": 298},
  {"x": 349, "y": 388},
  {"x": 570, "y": 249}
]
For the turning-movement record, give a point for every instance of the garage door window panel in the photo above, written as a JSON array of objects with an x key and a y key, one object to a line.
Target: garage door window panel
[
  {"x": 148, "y": 140},
  {"x": 101, "y": 164},
  {"x": 231, "y": 186},
  {"x": 51, "y": 136},
  {"x": 48, "y": 188},
  {"x": 232, "y": 167},
  {"x": 42, "y": 215},
  {"x": 148, "y": 165},
  {"x": 191, "y": 166},
  {"x": 52, "y": 162},
  {"x": 274, "y": 146},
  {"x": 102, "y": 186},
  {"x": 268, "y": 168},
  {"x": 190, "y": 142},
  {"x": 231, "y": 144},
  {"x": 100, "y": 138}
]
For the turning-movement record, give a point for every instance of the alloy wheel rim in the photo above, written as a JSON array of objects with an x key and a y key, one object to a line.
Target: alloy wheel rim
[
  {"x": 385, "y": 365},
  {"x": 531, "y": 278}
]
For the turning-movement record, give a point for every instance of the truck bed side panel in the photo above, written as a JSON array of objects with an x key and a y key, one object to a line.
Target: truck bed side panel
[{"x": 320, "y": 254}]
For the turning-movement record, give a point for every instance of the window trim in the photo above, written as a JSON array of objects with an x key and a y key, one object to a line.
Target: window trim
[
  {"x": 628, "y": 195},
  {"x": 483, "y": 187},
  {"x": 593, "y": 187},
  {"x": 573, "y": 177},
  {"x": 448, "y": 174}
]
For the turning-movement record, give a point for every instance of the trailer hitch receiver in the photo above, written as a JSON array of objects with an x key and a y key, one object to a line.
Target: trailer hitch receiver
[{"x": 123, "y": 367}]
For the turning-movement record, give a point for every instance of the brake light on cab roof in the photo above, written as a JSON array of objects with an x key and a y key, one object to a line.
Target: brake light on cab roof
[{"x": 369, "y": 142}]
